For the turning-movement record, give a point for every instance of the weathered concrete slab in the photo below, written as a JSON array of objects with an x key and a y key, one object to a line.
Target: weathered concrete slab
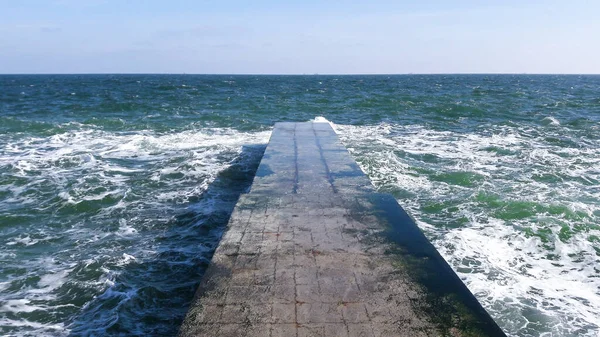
[{"x": 314, "y": 250}]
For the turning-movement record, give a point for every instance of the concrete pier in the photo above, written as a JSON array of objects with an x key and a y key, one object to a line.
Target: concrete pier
[{"x": 314, "y": 250}]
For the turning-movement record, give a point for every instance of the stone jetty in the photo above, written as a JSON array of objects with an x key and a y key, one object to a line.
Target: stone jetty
[{"x": 314, "y": 250}]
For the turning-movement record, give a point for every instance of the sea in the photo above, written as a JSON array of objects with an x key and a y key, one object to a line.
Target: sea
[{"x": 115, "y": 189}]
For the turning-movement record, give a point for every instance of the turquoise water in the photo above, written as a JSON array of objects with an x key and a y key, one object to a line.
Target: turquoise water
[{"x": 115, "y": 189}]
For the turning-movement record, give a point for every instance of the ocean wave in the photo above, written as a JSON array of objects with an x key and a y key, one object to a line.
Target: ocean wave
[
  {"x": 111, "y": 216},
  {"x": 524, "y": 246}
]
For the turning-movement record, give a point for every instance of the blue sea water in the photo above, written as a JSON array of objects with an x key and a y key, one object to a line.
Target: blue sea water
[{"x": 115, "y": 189}]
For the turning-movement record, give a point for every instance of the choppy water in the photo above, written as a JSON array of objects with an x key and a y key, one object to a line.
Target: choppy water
[{"x": 114, "y": 190}]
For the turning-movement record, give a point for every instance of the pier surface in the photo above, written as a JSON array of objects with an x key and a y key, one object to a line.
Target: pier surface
[{"x": 314, "y": 250}]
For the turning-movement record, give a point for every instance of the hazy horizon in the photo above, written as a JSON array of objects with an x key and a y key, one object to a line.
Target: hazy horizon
[
  {"x": 316, "y": 74},
  {"x": 294, "y": 38}
]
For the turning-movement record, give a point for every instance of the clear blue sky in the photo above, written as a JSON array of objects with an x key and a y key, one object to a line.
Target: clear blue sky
[{"x": 299, "y": 36}]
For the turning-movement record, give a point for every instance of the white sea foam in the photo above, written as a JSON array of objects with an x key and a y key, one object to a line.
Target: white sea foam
[
  {"x": 23, "y": 240},
  {"x": 4, "y": 286},
  {"x": 125, "y": 229},
  {"x": 40, "y": 329},
  {"x": 521, "y": 277},
  {"x": 550, "y": 121},
  {"x": 122, "y": 187},
  {"x": 51, "y": 281},
  {"x": 65, "y": 154},
  {"x": 320, "y": 119},
  {"x": 126, "y": 259},
  {"x": 503, "y": 264},
  {"x": 20, "y": 305}
]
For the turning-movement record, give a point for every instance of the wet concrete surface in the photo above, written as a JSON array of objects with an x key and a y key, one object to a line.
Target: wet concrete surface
[{"x": 314, "y": 250}]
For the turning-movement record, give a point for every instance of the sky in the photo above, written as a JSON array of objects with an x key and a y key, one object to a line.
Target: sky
[{"x": 299, "y": 36}]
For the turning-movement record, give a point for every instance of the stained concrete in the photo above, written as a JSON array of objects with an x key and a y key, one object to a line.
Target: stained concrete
[{"x": 314, "y": 250}]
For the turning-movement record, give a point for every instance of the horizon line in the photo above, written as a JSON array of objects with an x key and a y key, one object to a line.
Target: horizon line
[{"x": 295, "y": 74}]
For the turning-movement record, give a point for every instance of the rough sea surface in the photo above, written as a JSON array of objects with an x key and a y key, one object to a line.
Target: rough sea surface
[{"x": 115, "y": 189}]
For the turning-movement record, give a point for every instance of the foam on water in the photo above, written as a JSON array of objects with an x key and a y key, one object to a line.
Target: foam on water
[
  {"x": 104, "y": 210},
  {"x": 514, "y": 214},
  {"x": 320, "y": 119},
  {"x": 113, "y": 199},
  {"x": 550, "y": 121}
]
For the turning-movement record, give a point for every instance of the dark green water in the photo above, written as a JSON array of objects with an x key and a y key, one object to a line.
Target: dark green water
[{"x": 114, "y": 189}]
